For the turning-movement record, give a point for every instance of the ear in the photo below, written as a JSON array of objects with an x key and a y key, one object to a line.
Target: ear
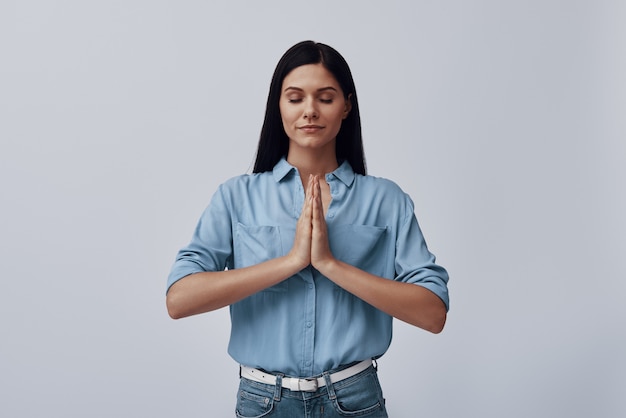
[{"x": 348, "y": 107}]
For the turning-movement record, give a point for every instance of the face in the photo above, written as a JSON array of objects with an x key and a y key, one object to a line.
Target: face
[{"x": 312, "y": 107}]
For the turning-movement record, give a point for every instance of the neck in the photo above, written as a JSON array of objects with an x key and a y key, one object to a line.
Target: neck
[{"x": 316, "y": 163}]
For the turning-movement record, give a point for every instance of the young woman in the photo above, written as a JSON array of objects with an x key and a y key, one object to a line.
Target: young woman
[{"x": 313, "y": 256}]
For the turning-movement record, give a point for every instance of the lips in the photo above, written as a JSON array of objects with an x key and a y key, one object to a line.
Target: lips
[{"x": 310, "y": 128}]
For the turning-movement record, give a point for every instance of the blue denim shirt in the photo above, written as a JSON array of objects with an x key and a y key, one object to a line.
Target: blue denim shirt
[{"x": 306, "y": 324}]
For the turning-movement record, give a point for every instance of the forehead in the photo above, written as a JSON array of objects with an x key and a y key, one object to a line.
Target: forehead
[{"x": 310, "y": 76}]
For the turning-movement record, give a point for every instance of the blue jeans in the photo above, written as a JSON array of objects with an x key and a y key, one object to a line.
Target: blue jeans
[{"x": 356, "y": 396}]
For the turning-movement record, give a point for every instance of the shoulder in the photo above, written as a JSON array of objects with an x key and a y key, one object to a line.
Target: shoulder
[
  {"x": 380, "y": 185},
  {"x": 244, "y": 181},
  {"x": 385, "y": 194},
  {"x": 245, "y": 186}
]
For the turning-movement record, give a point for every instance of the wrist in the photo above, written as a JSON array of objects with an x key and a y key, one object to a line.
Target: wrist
[
  {"x": 327, "y": 267},
  {"x": 294, "y": 263}
]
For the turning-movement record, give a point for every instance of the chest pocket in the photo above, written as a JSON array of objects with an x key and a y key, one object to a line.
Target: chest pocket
[
  {"x": 362, "y": 246},
  {"x": 256, "y": 244}
]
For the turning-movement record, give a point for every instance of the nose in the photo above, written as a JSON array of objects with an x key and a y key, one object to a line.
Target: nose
[{"x": 310, "y": 110}]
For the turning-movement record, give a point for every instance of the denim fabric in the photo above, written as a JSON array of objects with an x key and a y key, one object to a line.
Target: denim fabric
[{"x": 356, "y": 396}]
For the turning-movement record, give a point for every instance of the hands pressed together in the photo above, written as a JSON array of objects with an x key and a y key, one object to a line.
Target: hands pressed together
[
  {"x": 311, "y": 242},
  {"x": 416, "y": 305}
]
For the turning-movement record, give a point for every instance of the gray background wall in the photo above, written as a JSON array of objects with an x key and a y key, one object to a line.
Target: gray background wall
[{"x": 503, "y": 120}]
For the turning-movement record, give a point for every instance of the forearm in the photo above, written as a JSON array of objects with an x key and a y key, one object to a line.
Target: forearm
[
  {"x": 208, "y": 291},
  {"x": 408, "y": 302}
]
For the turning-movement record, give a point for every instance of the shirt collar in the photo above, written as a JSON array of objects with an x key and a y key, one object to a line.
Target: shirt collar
[
  {"x": 344, "y": 172},
  {"x": 281, "y": 169}
]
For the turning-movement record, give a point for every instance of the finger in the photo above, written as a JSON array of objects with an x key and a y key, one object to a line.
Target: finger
[
  {"x": 318, "y": 190},
  {"x": 318, "y": 209},
  {"x": 310, "y": 189},
  {"x": 315, "y": 196},
  {"x": 308, "y": 194}
]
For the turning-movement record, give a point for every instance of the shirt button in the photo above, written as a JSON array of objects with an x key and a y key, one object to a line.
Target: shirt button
[
  {"x": 309, "y": 324},
  {"x": 330, "y": 215},
  {"x": 308, "y": 363},
  {"x": 310, "y": 286}
]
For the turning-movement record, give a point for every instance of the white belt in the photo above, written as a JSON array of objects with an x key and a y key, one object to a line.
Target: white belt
[{"x": 302, "y": 384}]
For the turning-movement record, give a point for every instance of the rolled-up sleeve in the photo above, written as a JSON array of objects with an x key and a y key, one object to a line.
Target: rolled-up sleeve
[
  {"x": 414, "y": 263},
  {"x": 211, "y": 245}
]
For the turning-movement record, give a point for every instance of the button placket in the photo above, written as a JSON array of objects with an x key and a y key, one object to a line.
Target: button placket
[{"x": 309, "y": 324}]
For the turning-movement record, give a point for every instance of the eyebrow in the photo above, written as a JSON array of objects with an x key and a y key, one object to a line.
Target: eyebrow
[{"x": 319, "y": 90}]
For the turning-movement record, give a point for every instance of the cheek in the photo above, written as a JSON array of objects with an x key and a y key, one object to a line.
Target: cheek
[
  {"x": 286, "y": 124},
  {"x": 339, "y": 116},
  {"x": 286, "y": 116}
]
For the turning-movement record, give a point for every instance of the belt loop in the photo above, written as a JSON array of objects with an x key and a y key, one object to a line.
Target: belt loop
[
  {"x": 329, "y": 386},
  {"x": 279, "y": 386}
]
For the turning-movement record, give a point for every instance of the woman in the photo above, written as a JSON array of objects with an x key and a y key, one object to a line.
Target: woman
[{"x": 313, "y": 256}]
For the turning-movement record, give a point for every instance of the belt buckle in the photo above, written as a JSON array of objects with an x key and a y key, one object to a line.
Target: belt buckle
[{"x": 310, "y": 385}]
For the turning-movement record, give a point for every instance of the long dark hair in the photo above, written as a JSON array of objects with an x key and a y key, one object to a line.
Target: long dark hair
[{"x": 274, "y": 143}]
